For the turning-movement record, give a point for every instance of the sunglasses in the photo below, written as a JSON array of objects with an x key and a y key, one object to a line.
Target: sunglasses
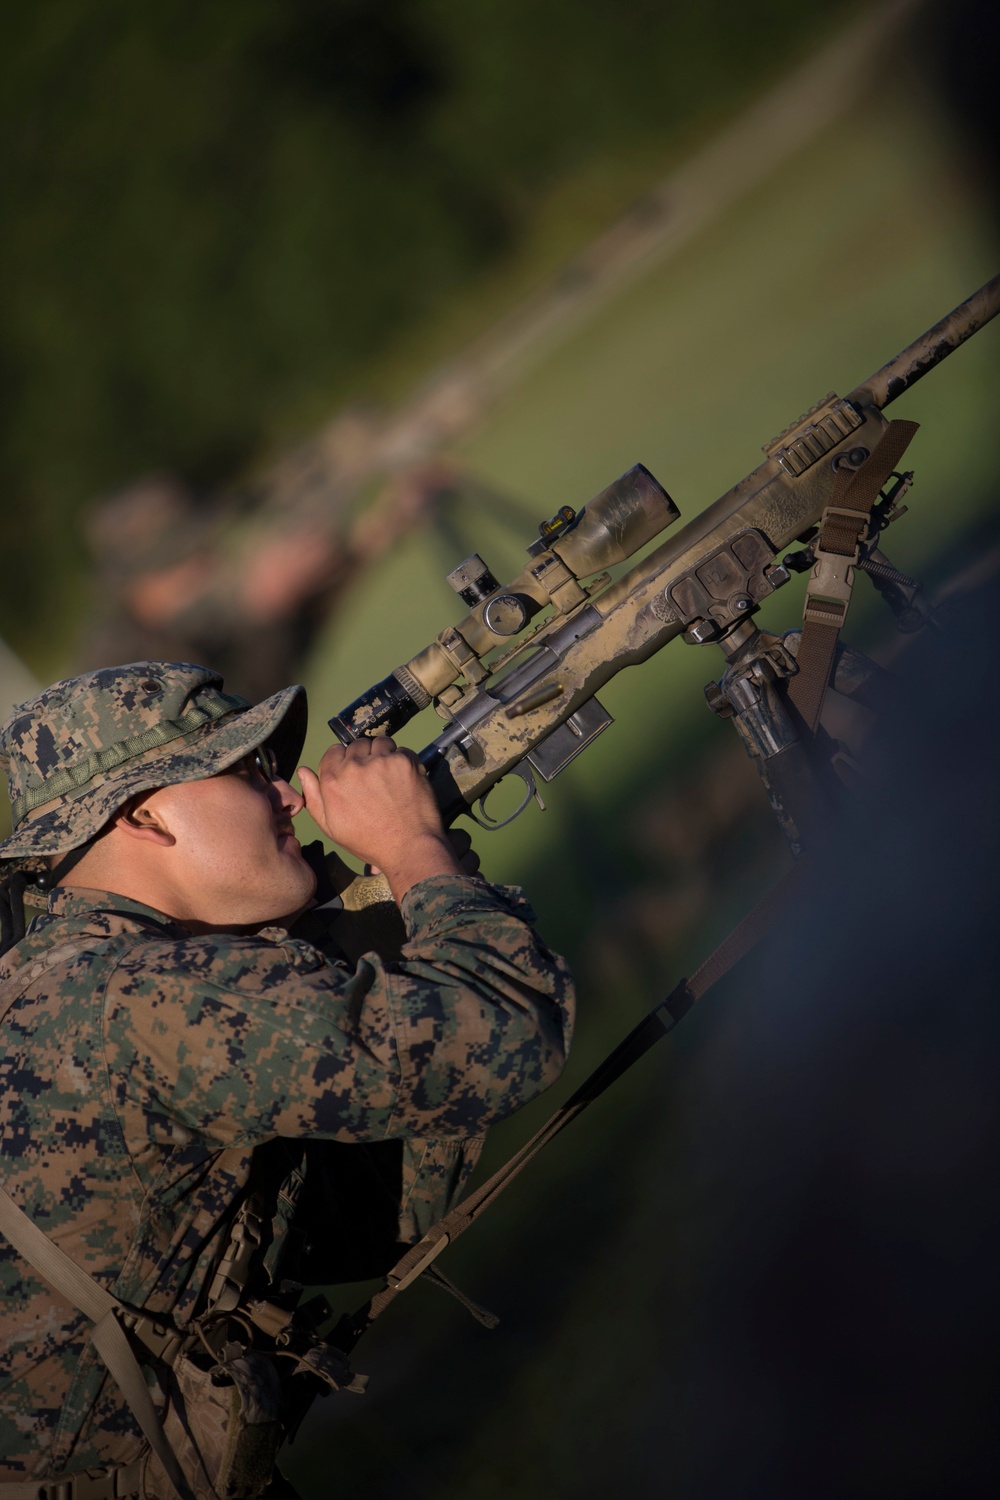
[{"x": 260, "y": 762}]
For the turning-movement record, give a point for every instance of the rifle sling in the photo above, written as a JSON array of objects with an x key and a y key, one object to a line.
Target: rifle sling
[
  {"x": 660, "y": 1021},
  {"x": 842, "y": 531},
  {"x": 104, "y": 1311}
]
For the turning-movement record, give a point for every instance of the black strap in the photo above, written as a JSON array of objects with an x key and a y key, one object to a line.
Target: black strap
[
  {"x": 13, "y": 923},
  {"x": 12, "y": 920},
  {"x": 660, "y": 1021},
  {"x": 48, "y": 879}
]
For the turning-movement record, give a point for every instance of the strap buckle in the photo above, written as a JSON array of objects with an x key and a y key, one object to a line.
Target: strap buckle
[
  {"x": 158, "y": 1339},
  {"x": 114, "y": 1483},
  {"x": 828, "y": 591}
]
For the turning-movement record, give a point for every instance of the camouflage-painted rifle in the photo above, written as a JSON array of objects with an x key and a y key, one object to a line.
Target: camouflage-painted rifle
[{"x": 523, "y": 700}]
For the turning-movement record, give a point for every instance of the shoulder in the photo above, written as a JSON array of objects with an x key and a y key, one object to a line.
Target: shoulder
[
  {"x": 56, "y": 952},
  {"x": 259, "y": 962}
]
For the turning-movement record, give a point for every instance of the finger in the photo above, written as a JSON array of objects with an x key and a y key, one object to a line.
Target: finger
[
  {"x": 461, "y": 842},
  {"x": 333, "y": 758},
  {"x": 470, "y": 862},
  {"x": 366, "y": 749},
  {"x": 309, "y": 782},
  {"x": 413, "y": 758}
]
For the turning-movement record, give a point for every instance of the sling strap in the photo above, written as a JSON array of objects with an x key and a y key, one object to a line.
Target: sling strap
[
  {"x": 108, "y": 1335},
  {"x": 660, "y": 1021},
  {"x": 121, "y": 1482},
  {"x": 843, "y": 530}
]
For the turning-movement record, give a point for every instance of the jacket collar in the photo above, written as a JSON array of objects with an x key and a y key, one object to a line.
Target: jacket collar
[{"x": 78, "y": 902}]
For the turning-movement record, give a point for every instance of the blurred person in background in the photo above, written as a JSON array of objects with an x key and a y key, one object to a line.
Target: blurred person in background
[
  {"x": 248, "y": 582},
  {"x": 182, "y": 577},
  {"x": 206, "y": 1106}
]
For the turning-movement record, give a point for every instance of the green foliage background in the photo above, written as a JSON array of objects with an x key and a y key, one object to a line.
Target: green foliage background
[{"x": 219, "y": 218}]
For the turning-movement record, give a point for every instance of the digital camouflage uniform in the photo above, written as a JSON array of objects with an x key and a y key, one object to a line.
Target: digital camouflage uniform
[{"x": 151, "y": 1077}]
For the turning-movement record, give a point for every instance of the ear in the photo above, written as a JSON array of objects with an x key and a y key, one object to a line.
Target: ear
[{"x": 141, "y": 819}]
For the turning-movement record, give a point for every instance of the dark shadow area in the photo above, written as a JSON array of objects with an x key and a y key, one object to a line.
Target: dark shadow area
[
  {"x": 840, "y": 1195},
  {"x": 437, "y": 1377},
  {"x": 957, "y": 44}
]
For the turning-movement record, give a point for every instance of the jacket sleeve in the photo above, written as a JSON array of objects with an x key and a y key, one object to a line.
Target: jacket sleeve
[{"x": 233, "y": 1040}]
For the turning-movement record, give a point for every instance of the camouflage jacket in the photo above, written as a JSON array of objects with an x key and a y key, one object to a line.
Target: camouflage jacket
[{"x": 146, "y": 1072}]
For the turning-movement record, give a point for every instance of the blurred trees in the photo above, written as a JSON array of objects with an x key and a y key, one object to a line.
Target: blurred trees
[{"x": 214, "y": 213}]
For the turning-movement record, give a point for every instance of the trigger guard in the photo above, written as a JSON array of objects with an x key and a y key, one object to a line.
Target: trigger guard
[{"x": 491, "y": 825}]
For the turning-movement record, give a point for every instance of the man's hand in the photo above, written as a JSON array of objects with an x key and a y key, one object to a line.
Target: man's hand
[{"x": 374, "y": 800}]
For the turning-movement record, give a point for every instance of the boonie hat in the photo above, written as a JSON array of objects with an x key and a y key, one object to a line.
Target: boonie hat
[{"x": 80, "y": 750}]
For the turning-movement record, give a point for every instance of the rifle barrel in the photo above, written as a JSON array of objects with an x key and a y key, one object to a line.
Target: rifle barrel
[{"x": 930, "y": 348}]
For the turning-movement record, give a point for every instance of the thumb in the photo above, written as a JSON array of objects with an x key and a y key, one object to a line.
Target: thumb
[{"x": 309, "y": 782}]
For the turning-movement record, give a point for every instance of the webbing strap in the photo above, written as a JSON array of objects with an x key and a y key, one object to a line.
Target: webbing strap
[
  {"x": 108, "y": 1336},
  {"x": 114, "y": 1483},
  {"x": 660, "y": 1021},
  {"x": 99, "y": 762},
  {"x": 828, "y": 591}
]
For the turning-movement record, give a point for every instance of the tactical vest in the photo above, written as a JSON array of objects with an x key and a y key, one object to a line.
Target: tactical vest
[{"x": 238, "y": 1380}]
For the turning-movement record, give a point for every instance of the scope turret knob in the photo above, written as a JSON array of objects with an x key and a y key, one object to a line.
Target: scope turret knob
[
  {"x": 472, "y": 581},
  {"x": 506, "y": 614}
]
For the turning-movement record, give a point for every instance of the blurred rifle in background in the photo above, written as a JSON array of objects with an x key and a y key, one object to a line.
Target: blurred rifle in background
[{"x": 519, "y": 697}]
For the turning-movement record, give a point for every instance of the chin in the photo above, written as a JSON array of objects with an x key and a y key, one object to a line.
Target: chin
[
  {"x": 294, "y": 893},
  {"x": 283, "y": 898}
]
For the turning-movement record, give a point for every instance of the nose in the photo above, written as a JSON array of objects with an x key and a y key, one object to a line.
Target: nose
[{"x": 285, "y": 797}]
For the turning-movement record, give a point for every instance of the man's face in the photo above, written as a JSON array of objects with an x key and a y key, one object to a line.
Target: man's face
[{"x": 234, "y": 860}]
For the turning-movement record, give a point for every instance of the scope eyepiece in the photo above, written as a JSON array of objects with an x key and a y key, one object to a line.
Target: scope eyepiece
[{"x": 384, "y": 709}]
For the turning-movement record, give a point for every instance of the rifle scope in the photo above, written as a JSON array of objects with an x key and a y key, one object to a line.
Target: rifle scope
[{"x": 571, "y": 546}]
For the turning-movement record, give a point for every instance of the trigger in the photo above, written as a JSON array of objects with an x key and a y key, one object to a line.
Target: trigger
[{"x": 491, "y": 824}]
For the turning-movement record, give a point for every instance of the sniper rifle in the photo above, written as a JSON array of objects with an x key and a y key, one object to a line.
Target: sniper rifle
[
  {"x": 828, "y": 487},
  {"x": 516, "y": 678}
]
